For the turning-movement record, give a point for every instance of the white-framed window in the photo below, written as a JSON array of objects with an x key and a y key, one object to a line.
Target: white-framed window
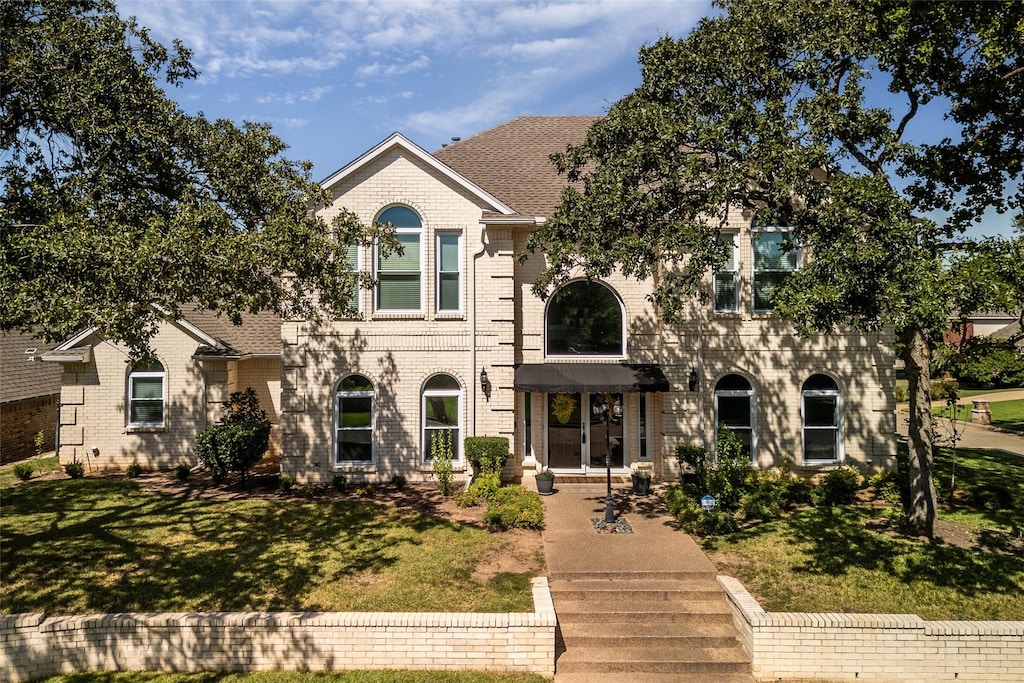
[
  {"x": 449, "y": 272},
  {"x": 400, "y": 276},
  {"x": 641, "y": 428},
  {"x": 442, "y": 412},
  {"x": 822, "y": 412},
  {"x": 355, "y": 407},
  {"x": 352, "y": 257},
  {"x": 727, "y": 280},
  {"x": 771, "y": 264},
  {"x": 146, "y": 391},
  {"x": 734, "y": 408},
  {"x": 584, "y": 318}
]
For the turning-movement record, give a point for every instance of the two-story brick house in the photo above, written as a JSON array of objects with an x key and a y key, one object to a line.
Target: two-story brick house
[{"x": 450, "y": 338}]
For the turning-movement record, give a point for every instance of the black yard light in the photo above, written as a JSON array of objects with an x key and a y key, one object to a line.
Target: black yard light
[{"x": 607, "y": 407}]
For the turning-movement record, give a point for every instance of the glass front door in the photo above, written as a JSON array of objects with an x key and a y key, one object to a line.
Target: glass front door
[{"x": 581, "y": 428}]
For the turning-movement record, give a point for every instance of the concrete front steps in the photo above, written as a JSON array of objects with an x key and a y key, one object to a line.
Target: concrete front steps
[{"x": 646, "y": 627}]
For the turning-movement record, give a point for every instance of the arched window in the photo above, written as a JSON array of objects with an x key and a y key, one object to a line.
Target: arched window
[
  {"x": 399, "y": 276},
  {"x": 354, "y": 412},
  {"x": 584, "y": 318},
  {"x": 822, "y": 410},
  {"x": 442, "y": 414},
  {"x": 146, "y": 394},
  {"x": 734, "y": 408}
]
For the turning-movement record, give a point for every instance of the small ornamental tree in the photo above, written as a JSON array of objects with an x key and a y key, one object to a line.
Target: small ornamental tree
[{"x": 239, "y": 441}]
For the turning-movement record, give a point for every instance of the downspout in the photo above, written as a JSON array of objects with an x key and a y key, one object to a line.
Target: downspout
[
  {"x": 475, "y": 391},
  {"x": 700, "y": 374}
]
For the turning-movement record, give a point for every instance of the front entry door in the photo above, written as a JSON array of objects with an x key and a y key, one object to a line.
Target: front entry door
[{"x": 577, "y": 437}]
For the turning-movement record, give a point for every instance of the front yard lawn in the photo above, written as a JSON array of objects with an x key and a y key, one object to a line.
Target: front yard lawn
[
  {"x": 854, "y": 559},
  {"x": 1005, "y": 414},
  {"x": 109, "y": 545}
]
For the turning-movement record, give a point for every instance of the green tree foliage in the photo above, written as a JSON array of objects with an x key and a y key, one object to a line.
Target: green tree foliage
[
  {"x": 118, "y": 206},
  {"x": 764, "y": 107}
]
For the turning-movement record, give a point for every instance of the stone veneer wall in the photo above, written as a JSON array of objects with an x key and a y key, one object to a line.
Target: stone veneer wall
[
  {"x": 34, "y": 645},
  {"x": 890, "y": 648}
]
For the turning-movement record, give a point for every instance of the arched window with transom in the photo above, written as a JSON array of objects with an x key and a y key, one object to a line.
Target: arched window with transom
[
  {"x": 442, "y": 415},
  {"x": 355, "y": 404},
  {"x": 400, "y": 276},
  {"x": 734, "y": 408},
  {"x": 822, "y": 412},
  {"x": 585, "y": 318}
]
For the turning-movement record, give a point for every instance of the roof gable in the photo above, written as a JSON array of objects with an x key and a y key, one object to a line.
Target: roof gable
[{"x": 399, "y": 140}]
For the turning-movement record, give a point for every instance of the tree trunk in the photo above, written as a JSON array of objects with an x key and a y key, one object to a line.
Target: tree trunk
[{"x": 916, "y": 355}]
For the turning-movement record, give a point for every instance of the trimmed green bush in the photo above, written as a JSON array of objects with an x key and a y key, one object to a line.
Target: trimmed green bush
[
  {"x": 23, "y": 471},
  {"x": 182, "y": 472},
  {"x": 514, "y": 507},
  {"x": 482, "y": 490},
  {"x": 286, "y": 482},
  {"x": 75, "y": 470},
  {"x": 134, "y": 470},
  {"x": 399, "y": 481},
  {"x": 239, "y": 442},
  {"x": 340, "y": 481},
  {"x": 840, "y": 486},
  {"x": 486, "y": 453},
  {"x": 692, "y": 518}
]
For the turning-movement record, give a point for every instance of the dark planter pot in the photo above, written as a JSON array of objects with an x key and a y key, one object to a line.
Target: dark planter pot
[
  {"x": 641, "y": 485},
  {"x": 545, "y": 487}
]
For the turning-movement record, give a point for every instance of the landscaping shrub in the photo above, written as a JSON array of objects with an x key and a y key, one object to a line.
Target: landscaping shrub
[
  {"x": 885, "y": 487},
  {"x": 286, "y": 482},
  {"x": 23, "y": 471},
  {"x": 796, "y": 491},
  {"x": 764, "y": 500},
  {"x": 729, "y": 478},
  {"x": 514, "y": 507},
  {"x": 340, "y": 481},
  {"x": 399, "y": 481},
  {"x": 986, "y": 363},
  {"x": 441, "y": 454},
  {"x": 694, "y": 457},
  {"x": 482, "y": 490},
  {"x": 182, "y": 472},
  {"x": 487, "y": 454},
  {"x": 75, "y": 470},
  {"x": 840, "y": 486},
  {"x": 990, "y": 497},
  {"x": 239, "y": 441},
  {"x": 940, "y": 390},
  {"x": 134, "y": 470},
  {"x": 692, "y": 518}
]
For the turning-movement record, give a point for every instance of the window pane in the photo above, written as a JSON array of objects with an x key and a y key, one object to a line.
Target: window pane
[
  {"x": 356, "y": 383},
  {"x": 448, "y": 296},
  {"x": 147, "y": 387},
  {"x": 820, "y": 411},
  {"x": 409, "y": 260},
  {"x": 355, "y": 411},
  {"x": 456, "y": 441},
  {"x": 443, "y": 382},
  {"x": 442, "y": 411},
  {"x": 820, "y": 383},
  {"x": 398, "y": 292},
  {"x": 764, "y": 288},
  {"x": 820, "y": 444},
  {"x": 584, "y": 318},
  {"x": 448, "y": 252},
  {"x": 733, "y": 383},
  {"x": 725, "y": 292},
  {"x": 400, "y": 217},
  {"x": 355, "y": 446},
  {"x": 734, "y": 411},
  {"x": 352, "y": 257},
  {"x": 149, "y": 412}
]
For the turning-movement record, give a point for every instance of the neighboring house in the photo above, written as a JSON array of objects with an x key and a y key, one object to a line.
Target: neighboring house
[
  {"x": 29, "y": 393},
  {"x": 451, "y": 339},
  {"x": 114, "y": 412},
  {"x": 981, "y": 324}
]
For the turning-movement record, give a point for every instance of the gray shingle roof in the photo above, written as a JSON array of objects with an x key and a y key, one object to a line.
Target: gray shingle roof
[
  {"x": 20, "y": 378},
  {"x": 511, "y": 160},
  {"x": 258, "y": 334}
]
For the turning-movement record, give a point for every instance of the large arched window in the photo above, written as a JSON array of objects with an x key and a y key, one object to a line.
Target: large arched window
[
  {"x": 442, "y": 415},
  {"x": 822, "y": 410},
  {"x": 584, "y": 319},
  {"x": 354, "y": 408},
  {"x": 734, "y": 408},
  {"x": 146, "y": 394},
  {"x": 399, "y": 276}
]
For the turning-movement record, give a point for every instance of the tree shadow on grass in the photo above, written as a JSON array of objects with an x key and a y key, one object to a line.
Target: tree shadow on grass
[{"x": 78, "y": 546}]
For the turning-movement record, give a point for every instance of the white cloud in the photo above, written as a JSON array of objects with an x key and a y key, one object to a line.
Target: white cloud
[
  {"x": 377, "y": 69},
  {"x": 312, "y": 95}
]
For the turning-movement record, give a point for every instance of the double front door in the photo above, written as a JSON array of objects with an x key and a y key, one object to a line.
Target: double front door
[{"x": 582, "y": 428}]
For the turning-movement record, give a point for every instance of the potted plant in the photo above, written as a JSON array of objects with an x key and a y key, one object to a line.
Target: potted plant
[
  {"x": 545, "y": 482},
  {"x": 641, "y": 481}
]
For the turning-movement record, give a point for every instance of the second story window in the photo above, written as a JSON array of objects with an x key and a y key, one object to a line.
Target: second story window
[
  {"x": 399, "y": 276},
  {"x": 727, "y": 279},
  {"x": 585, "y": 318},
  {"x": 771, "y": 265},
  {"x": 449, "y": 266}
]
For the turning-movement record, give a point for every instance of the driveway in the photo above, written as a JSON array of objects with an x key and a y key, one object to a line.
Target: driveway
[{"x": 972, "y": 435}]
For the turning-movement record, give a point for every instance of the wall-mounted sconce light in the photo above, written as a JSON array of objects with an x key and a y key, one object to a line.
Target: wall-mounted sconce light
[
  {"x": 316, "y": 467},
  {"x": 485, "y": 384},
  {"x": 692, "y": 380}
]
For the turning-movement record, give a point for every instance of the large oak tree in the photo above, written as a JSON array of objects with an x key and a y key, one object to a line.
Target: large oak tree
[
  {"x": 819, "y": 115},
  {"x": 119, "y": 207}
]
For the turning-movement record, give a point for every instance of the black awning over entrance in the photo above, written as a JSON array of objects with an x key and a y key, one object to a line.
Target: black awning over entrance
[{"x": 565, "y": 378}]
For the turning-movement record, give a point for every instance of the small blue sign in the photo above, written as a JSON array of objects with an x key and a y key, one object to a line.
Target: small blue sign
[{"x": 708, "y": 503}]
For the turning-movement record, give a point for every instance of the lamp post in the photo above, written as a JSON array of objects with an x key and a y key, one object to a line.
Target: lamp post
[{"x": 605, "y": 408}]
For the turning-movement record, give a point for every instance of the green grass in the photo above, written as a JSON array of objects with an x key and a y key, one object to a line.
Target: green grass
[
  {"x": 829, "y": 560},
  {"x": 847, "y": 560},
  {"x": 299, "y": 677},
  {"x": 1005, "y": 414},
  {"x": 95, "y": 545},
  {"x": 39, "y": 466}
]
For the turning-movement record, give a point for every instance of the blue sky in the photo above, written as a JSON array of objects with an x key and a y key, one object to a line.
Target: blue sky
[{"x": 335, "y": 77}]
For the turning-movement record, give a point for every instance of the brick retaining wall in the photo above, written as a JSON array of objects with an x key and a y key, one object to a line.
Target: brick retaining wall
[
  {"x": 890, "y": 648},
  {"x": 34, "y": 645}
]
